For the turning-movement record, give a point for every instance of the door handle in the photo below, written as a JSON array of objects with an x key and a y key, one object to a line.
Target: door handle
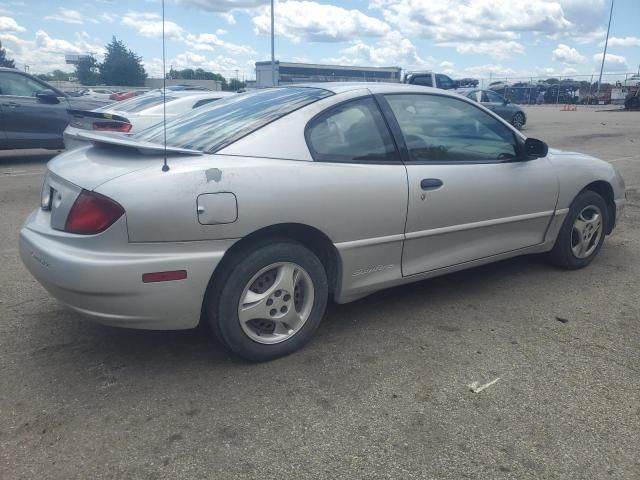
[
  {"x": 431, "y": 183},
  {"x": 11, "y": 104}
]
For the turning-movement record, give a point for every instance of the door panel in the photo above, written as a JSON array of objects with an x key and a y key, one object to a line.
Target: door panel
[
  {"x": 480, "y": 210},
  {"x": 470, "y": 196},
  {"x": 3, "y": 135},
  {"x": 30, "y": 123}
]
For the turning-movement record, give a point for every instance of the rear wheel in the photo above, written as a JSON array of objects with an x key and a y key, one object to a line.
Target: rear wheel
[
  {"x": 518, "y": 120},
  {"x": 582, "y": 233},
  {"x": 271, "y": 303}
]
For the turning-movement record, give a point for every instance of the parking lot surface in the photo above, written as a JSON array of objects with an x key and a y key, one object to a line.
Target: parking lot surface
[{"x": 381, "y": 392}]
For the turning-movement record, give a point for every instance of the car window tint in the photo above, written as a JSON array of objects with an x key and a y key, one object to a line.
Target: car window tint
[
  {"x": 445, "y": 129},
  {"x": 494, "y": 97},
  {"x": 444, "y": 82},
  {"x": 216, "y": 125},
  {"x": 202, "y": 102},
  {"x": 424, "y": 80},
  {"x": 352, "y": 131},
  {"x": 137, "y": 104},
  {"x": 19, "y": 85}
]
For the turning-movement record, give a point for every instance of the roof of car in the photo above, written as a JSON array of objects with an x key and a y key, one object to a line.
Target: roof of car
[{"x": 374, "y": 87}]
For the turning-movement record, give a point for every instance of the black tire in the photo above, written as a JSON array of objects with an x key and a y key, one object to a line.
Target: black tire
[
  {"x": 222, "y": 308},
  {"x": 562, "y": 254},
  {"x": 518, "y": 120}
]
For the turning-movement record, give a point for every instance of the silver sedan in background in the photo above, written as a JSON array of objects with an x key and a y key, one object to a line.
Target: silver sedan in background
[
  {"x": 272, "y": 202},
  {"x": 511, "y": 112}
]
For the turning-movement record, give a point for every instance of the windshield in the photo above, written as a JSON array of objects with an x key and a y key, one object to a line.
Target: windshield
[{"x": 212, "y": 127}]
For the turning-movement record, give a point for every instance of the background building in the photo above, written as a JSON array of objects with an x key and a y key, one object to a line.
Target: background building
[{"x": 287, "y": 73}]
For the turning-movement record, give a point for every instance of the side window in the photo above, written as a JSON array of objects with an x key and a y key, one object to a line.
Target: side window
[
  {"x": 424, "y": 80},
  {"x": 476, "y": 96},
  {"x": 494, "y": 97},
  {"x": 352, "y": 131},
  {"x": 204, "y": 101},
  {"x": 440, "y": 129},
  {"x": 444, "y": 82},
  {"x": 19, "y": 85}
]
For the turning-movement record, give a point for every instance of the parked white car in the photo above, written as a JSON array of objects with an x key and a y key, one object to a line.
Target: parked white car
[
  {"x": 135, "y": 114},
  {"x": 97, "y": 93}
]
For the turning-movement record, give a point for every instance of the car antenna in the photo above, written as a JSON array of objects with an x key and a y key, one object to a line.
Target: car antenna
[{"x": 165, "y": 165}]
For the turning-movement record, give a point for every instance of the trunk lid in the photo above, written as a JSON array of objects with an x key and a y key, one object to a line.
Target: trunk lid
[{"x": 110, "y": 156}]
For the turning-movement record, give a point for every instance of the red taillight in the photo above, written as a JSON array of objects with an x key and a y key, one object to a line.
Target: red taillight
[
  {"x": 112, "y": 127},
  {"x": 92, "y": 213}
]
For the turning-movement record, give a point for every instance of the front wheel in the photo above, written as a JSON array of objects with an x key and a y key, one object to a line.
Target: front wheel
[
  {"x": 271, "y": 303},
  {"x": 518, "y": 120},
  {"x": 582, "y": 233}
]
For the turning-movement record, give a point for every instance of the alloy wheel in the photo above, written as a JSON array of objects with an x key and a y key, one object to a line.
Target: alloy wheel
[
  {"x": 586, "y": 232},
  {"x": 276, "y": 303}
]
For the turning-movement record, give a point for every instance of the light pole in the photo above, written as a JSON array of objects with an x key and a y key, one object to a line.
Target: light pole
[
  {"x": 273, "y": 55},
  {"x": 604, "y": 55}
]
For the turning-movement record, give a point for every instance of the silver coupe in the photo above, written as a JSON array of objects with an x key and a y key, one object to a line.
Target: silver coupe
[{"x": 260, "y": 207}]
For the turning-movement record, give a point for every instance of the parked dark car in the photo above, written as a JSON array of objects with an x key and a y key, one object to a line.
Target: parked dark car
[
  {"x": 33, "y": 114},
  {"x": 512, "y": 113}
]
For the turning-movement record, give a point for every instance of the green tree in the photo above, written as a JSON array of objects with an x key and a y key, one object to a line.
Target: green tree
[
  {"x": 4, "y": 61},
  {"x": 87, "y": 71},
  {"x": 56, "y": 75},
  {"x": 235, "y": 84},
  {"x": 122, "y": 66}
]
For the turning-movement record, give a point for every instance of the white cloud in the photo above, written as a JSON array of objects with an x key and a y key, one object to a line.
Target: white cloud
[
  {"x": 8, "y": 24},
  {"x": 499, "y": 49},
  {"x": 392, "y": 50},
  {"x": 317, "y": 22},
  {"x": 66, "y": 15},
  {"x": 150, "y": 25},
  {"x": 612, "y": 62},
  {"x": 44, "y": 53},
  {"x": 221, "y": 5},
  {"x": 208, "y": 41},
  {"x": 568, "y": 55},
  {"x": 473, "y": 20},
  {"x": 623, "y": 42},
  {"x": 489, "y": 70}
]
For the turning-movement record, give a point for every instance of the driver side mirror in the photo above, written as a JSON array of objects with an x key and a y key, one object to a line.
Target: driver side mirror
[
  {"x": 47, "y": 96},
  {"x": 534, "y": 148},
  {"x": 506, "y": 101}
]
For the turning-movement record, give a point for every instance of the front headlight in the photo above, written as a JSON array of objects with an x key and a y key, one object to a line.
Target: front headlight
[{"x": 45, "y": 195}]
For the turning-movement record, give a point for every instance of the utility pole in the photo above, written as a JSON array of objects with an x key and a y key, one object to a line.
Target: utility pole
[
  {"x": 273, "y": 55},
  {"x": 604, "y": 55}
]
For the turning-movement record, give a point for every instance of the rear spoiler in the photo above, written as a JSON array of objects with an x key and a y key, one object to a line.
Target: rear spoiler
[
  {"x": 121, "y": 140},
  {"x": 99, "y": 115}
]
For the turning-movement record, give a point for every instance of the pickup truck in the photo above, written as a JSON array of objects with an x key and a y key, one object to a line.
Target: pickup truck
[{"x": 430, "y": 79}]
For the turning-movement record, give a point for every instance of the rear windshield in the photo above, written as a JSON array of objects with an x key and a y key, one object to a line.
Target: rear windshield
[
  {"x": 137, "y": 104},
  {"x": 212, "y": 127}
]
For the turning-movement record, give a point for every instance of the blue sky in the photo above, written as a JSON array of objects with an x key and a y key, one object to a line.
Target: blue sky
[{"x": 461, "y": 37}]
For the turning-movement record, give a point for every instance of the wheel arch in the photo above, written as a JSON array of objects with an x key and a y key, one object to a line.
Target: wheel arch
[
  {"x": 605, "y": 190},
  {"x": 310, "y": 237}
]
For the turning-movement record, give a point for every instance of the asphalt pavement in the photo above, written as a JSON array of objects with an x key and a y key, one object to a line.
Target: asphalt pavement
[{"x": 382, "y": 392}]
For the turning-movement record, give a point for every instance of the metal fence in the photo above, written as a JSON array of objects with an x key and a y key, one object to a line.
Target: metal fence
[{"x": 573, "y": 89}]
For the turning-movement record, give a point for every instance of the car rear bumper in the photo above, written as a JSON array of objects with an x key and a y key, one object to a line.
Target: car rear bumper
[{"x": 106, "y": 285}]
